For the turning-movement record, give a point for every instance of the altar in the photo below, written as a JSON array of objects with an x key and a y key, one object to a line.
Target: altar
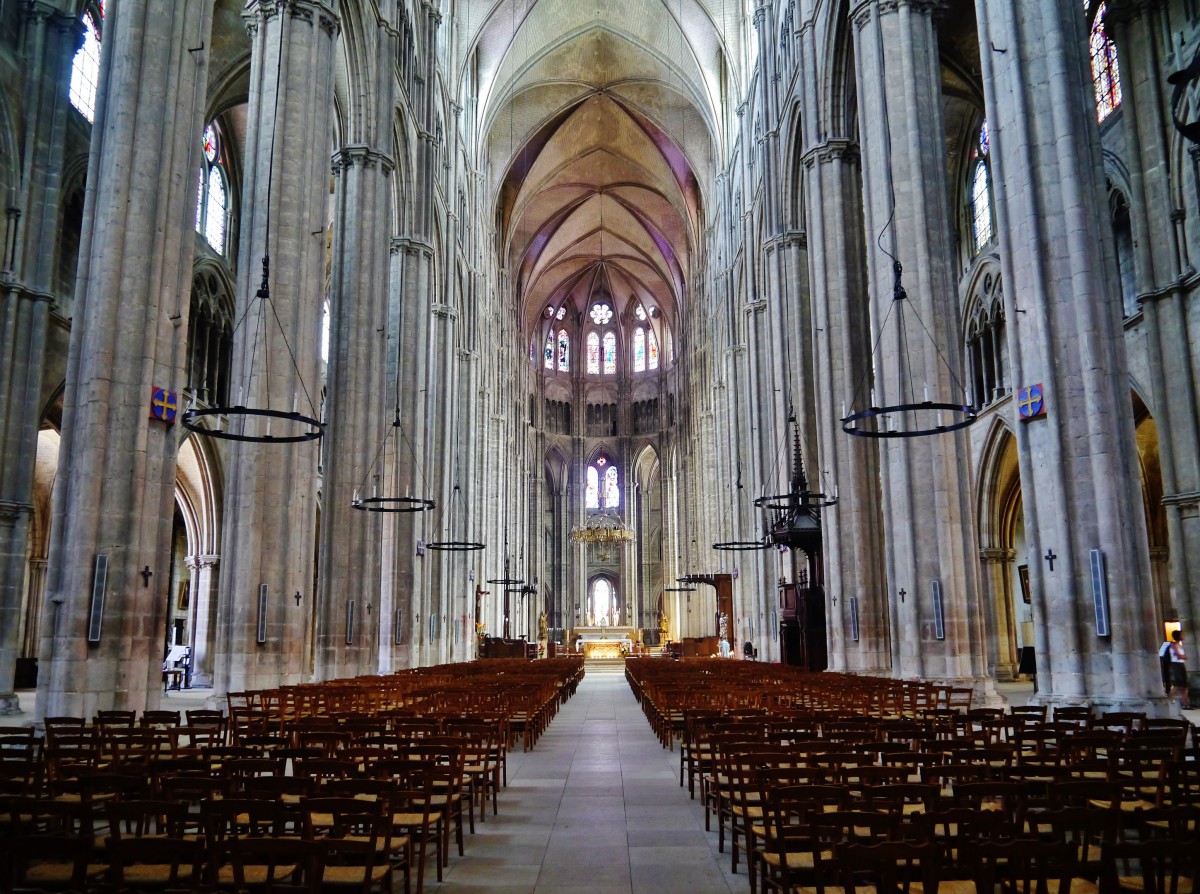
[{"x": 604, "y": 641}]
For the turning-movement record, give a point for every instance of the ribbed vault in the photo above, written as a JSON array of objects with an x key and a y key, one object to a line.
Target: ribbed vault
[{"x": 599, "y": 122}]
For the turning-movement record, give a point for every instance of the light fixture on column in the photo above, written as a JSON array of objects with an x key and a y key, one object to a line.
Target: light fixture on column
[
  {"x": 253, "y": 424},
  {"x": 375, "y": 503},
  {"x": 447, "y": 543}
]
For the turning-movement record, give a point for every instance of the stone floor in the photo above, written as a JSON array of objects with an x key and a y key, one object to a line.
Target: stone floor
[{"x": 595, "y": 807}]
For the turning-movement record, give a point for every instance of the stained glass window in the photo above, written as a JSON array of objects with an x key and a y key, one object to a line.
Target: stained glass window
[
  {"x": 1106, "y": 76},
  {"x": 562, "y": 312},
  {"x": 985, "y": 142},
  {"x": 652, "y": 339},
  {"x": 601, "y": 314},
  {"x": 548, "y": 361},
  {"x": 640, "y": 313},
  {"x": 593, "y": 354},
  {"x": 612, "y": 492},
  {"x": 610, "y": 353},
  {"x": 85, "y": 68},
  {"x": 591, "y": 495},
  {"x": 212, "y": 146},
  {"x": 603, "y": 602},
  {"x": 639, "y": 349},
  {"x": 564, "y": 351},
  {"x": 212, "y": 203},
  {"x": 214, "y": 213},
  {"x": 981, "y": 205}
]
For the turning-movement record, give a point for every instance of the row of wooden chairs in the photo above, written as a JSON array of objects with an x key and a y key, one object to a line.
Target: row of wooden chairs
[{"x": 329, "y": 843}]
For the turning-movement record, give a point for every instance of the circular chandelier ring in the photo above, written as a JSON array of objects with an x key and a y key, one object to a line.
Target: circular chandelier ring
[
  {"x": 505, "y": 580},
  {"x": 393, "y": 504},
  {"x": 850, "y": 427},
  {"x": 191, "y": 416},
  {"x": 785, "y": 501},
  {"x": 455, "y": 546},
  {"x": 679, "y": 589},
  {"x": 741, "y": 545}
]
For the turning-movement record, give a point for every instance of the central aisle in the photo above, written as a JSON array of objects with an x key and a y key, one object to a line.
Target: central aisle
[{"x": 595, "y": 807}]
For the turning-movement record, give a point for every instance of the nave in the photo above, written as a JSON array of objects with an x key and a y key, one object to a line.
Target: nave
[{"x": 595, "y": 807}]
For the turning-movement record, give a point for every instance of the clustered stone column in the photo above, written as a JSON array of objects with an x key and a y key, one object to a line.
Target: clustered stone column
[
  {"x": 116, "y": 475},
  {"x": 362, "y": 400},
  {"x": 26, "y": 280},
  {"x": 1164, "y": 288},
  {"x": 926, "y": 481},
  {"x": 270, "y": 499},
  {"x": 1079, "y": 464}
]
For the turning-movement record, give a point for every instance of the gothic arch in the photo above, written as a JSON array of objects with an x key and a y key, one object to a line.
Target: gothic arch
[
  {"x": 1008, "y": 619},
  {"x": 556, "y": 470},
  {"x": 646, "y": 468}
]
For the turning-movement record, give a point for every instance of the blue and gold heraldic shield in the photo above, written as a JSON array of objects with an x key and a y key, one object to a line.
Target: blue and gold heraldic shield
[
  {"x": 164, "y": 405},
  {"x": 1031, "y": 402}
]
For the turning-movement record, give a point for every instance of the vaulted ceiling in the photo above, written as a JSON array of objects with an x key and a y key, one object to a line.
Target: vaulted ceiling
[{"x": 602, "y": 124}]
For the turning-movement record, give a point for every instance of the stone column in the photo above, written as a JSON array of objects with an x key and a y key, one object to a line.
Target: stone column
[
  {"x": 926, "y": 481},
  {"x": 853, "y": 528},
  {"x": 204, "y": 611},
  {"x": 35, "y": 590},
  {"x": 26, "y": 278},
  {"x": 409, "y": 320},
  {"x": 270, "y": 500},
  {"x": 1079, "y": 464},
  {"x": 996, "y": 585},
  {"x": 359, "y": 415},
  {"x": 1165, "y": 284},
  {"x": 116, "y": 476}
]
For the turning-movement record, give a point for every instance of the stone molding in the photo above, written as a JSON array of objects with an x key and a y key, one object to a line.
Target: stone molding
[
  {"x": 788, "y": 239},
  {"x": 755, "y": 307},
  {"x": 202, "y": 561},
  {"x": 365, "y": 156},
  {"x": 860, "y": 13},
  {"x": 23, "y": 292},
  {"x": 829, "y": 151},
  {"x": 1188, "y": 498},
  {"x": 411, "y": 246},
  {"x": 310, "y": 11},
  {"x": 11, "y": 511},
  {"x": 996, "y": 555}
]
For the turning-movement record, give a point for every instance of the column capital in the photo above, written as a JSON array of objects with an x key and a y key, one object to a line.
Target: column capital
[
  {"x": 365, "y": 156},
  {"x": 411, "y": 246},
  {"x": 11, "y": 512},
  {"x": 445, "y": 311},
  {"x": 995, "y": 555},
  {"x": 860, "y": 13},
  {"x": 310, "y": 11},
  {"x": 831, "y": 151},
  {"x": 755, "y": 307},
  {"x": 1188, "y": 499}
]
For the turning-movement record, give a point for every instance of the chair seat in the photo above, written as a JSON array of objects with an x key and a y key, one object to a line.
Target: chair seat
[
  {"x": 795, "y": 859},
  {"x": 61, "y": 873},
  {"x": 1135, "y": 883},
  {"x": 352, "y": 875},
  {"x": 254, "y": 875}
]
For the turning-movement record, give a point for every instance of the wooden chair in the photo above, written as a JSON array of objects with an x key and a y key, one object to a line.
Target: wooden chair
[
  {"x": 272, "y": 865},
  {"x": 1151, "y": 866},
  {"x": 357, "y": 839},
  {"x": 886, "y": 867},
  {"x": 154, "y": 863}
]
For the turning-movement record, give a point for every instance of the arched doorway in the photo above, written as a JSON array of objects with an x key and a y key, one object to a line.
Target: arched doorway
[{"x": 1002, "y": 553}]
